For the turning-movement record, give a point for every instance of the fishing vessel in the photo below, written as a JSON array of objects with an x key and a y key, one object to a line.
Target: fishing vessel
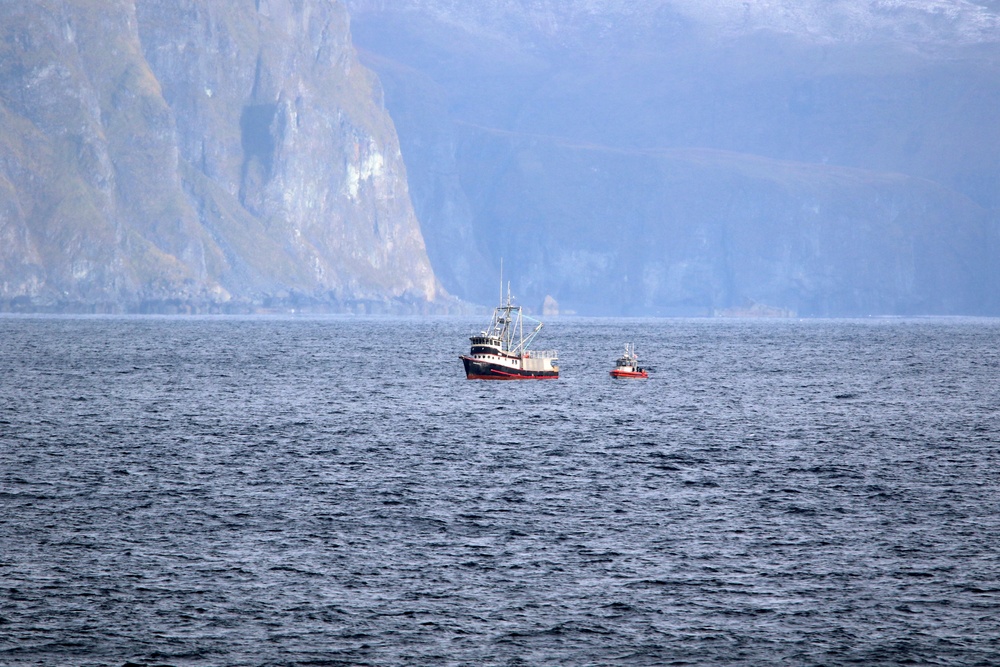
[
  {"x": 501, "y": 351},
  {"x": 627, "y": 365}
]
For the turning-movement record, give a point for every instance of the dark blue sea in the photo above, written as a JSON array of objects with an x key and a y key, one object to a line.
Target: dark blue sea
[{"x": 333, "y": 491}]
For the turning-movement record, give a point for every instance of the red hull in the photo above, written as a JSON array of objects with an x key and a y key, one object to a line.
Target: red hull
[
  {"x": 628, "y": 374},
  {"x": 511, "y": 376}
]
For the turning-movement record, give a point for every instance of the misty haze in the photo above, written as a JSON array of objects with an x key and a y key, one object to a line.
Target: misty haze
[
  {"x": 642, "y": 158},
  {"x": 688, "y": 158}
]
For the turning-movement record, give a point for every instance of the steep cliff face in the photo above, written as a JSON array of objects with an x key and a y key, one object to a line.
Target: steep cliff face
[
  {"x": 654, "y": 156},
  {"x": 703, "y": 232},
  {"x": 198, "y": 154}
]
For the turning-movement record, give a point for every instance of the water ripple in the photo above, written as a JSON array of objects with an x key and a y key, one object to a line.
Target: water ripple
[{"x": 332, "y": 491}]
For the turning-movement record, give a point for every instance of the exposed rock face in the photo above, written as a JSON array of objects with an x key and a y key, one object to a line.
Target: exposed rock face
[
  {"x": 702, "y": 232},
  {"x": 198, "y": 154},
  {"x": 687, "y": 157}
]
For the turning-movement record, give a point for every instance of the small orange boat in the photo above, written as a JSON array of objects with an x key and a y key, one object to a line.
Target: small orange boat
[{"x": 627, "y": 365}]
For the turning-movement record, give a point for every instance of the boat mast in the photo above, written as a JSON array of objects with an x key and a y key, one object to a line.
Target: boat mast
[{"x": 505, "y": 327}]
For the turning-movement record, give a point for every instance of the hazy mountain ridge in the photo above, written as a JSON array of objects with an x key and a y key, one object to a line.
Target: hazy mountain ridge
[
  {"x": 198, "y": 154},
  {"x": 513, "y": 114},
  {"x": 540, "y": 22},
  {"x": 917, "y": 22}
]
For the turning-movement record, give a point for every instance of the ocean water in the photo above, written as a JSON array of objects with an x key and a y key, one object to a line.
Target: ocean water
[{"x": 332, "y": 491}]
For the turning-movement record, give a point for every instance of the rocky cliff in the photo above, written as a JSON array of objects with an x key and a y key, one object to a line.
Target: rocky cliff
[
  {"x": 687, "y": 157},
  {"x": 198, "y": 155}
]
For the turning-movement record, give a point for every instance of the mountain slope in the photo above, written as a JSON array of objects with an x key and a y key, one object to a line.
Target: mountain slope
[
  {"x": 534, "y": 128},
  {"x": 198, "y": 155}
]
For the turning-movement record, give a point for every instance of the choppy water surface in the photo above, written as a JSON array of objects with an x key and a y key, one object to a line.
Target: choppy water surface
[{"x": 333, "y": 491}]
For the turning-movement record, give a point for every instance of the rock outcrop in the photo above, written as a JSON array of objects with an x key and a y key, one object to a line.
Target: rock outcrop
[{"x": 199, "y": 155}]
